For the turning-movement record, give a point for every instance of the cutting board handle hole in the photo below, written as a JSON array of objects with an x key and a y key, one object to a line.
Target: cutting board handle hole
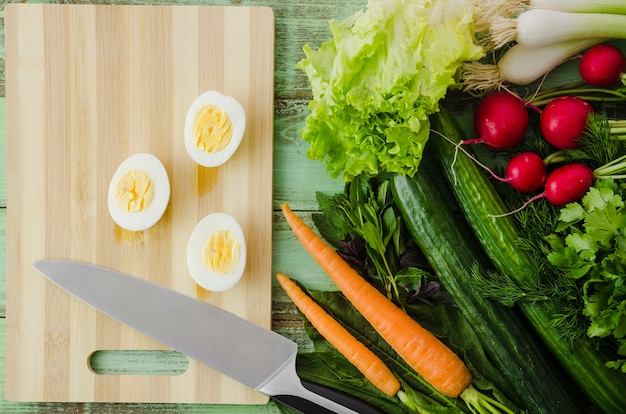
[{"x": 138, "y": 362}]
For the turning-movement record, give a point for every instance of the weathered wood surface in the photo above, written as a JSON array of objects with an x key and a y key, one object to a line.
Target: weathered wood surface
[{"x": 296, "y": 179}]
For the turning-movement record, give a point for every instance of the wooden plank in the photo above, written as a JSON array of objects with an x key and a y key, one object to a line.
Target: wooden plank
[
  {"x": 297, "y": 23},
  {"x": 296, "y": 177},
  {"x": 7, "y": 407},
  {"x": 3, "y": 261},
  {"x": 3, "y": 151},
  {"x": 77, "y": 107}
]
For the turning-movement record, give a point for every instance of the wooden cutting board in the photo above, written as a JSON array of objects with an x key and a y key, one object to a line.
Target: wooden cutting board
[{"x": 88, "y": 86}]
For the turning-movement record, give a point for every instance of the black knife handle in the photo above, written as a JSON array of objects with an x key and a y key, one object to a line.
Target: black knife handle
[{"x": 308, "y": 407}]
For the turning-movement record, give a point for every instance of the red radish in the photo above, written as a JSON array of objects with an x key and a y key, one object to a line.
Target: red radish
[
  {"x": 526, "y": 172},
  {"x": 564, "y": 185},
  {"x": 501, "y": 121},
  {"x": 564, "y": 120},
  {"x": 568, "y": 183},
  {"x": 602, "y": 65}
]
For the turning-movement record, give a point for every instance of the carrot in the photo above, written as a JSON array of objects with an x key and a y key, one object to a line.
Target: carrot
[
  {"x": 356, "y": 352},
  {"x": 419, "y": 348}
]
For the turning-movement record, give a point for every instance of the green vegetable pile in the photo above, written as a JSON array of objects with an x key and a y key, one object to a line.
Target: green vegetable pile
[
  {"x": 589, "y": 246},
  {"x": 378, "y": 79},
  {"x": 328, "y": 367},
  {"x": 379, "y": 87},
  {"x": 579, "y": 249}
]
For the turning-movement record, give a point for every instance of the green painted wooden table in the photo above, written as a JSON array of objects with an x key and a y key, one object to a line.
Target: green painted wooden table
[{"x": 295, "y": 180}]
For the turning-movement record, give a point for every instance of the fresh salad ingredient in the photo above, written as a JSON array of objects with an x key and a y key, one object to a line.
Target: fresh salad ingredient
[
  {"x": 327, "y": 367},
  {"x": 376, "y": 81},
  {"x": 214, "y": 127},
  {"x": 564, "y": 121},
  {"x": 580, "y": 90},
  {"x": 419, "y": 289},
  {"x": 446, "y": 321},
  {"x": 526, "y": 172},
  {"x": 508, "y": 8},
  {"x": 500, "y": 238},
  {"x": 358, "y": 354},
  {"x": 501, "y": 121},
  {"x": 603, "y": 65},
  {"x": 426, "y": 354},
  {"x": 139, "y": 192},
  {"x": 568, "y": 183},
  {"x": 617, "y": 128},
  {"x": 216, "y": 252},
  {"x": 520, "y": 65},
  {"x": 454, "y": 254},
  {"x": 579, "y": 6},
  {"x": 368, "y": 233},
  {"x": 589, "y": 246},
  {"x": 542, "y": 27}
]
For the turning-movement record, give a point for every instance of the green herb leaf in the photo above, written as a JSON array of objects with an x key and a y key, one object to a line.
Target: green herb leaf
[
  {"x": 373, "y": 237},
  {"x": 570, "y": 214},
  {"x": 589, "y": 248},
  {"x": 583, "y": 244},
  {"x": 570, "y": 263},
  {"x": 366, "y": 210},
  {"x": 390, "y": 224}
]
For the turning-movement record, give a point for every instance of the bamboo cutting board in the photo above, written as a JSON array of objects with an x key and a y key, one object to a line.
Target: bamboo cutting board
[{"x": 88, "y": 86}]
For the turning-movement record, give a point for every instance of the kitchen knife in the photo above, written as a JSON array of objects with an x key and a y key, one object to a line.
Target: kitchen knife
[{"x": 240, "y": 349}]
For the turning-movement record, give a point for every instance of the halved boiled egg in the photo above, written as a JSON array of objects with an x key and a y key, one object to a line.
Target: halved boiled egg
[
  {"x": 214, "y": 128},
  {"x": 139, "y": 192},
  {"x": 216, "y": 252}
]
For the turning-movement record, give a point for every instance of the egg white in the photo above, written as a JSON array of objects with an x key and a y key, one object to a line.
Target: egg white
[
  {"x": 141, "y": 220},
  {"x": 209, "y": 280},
  {"x": 235, "y": 112}
]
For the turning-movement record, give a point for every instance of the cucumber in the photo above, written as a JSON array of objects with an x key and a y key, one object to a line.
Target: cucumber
[
  {"x": 447, "y": 243},
  {"x": 479, "y": 202}
]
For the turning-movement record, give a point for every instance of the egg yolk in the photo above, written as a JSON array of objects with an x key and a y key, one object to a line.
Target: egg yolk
[
  {"x": 212, "y": 129},
  {"x": 134, "y": 191},
  {"x": 221, "y": 252}
]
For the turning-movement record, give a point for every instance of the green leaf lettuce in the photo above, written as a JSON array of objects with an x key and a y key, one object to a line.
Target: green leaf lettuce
[{"x": 379, "y": 77}]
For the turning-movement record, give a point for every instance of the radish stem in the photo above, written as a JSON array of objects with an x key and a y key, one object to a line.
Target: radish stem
[
  {"x": 610, "y": 169},
  {"x": 588, "y": 94}
]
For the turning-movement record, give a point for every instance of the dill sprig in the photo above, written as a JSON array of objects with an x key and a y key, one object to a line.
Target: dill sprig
[
  {"x": 599, "y": 142},
  {"x": 500, "y": 287}
]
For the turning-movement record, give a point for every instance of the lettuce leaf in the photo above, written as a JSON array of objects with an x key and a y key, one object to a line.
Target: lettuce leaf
[{"x": 379, "y": 77}]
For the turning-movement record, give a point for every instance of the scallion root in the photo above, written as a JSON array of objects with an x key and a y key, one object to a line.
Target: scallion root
[
  {"x": 503, "y": 31},
  {"x": 479, "y": 78},
  {"x": 487, "y": 9}
]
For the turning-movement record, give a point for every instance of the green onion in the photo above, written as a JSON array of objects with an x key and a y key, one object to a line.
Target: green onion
[
  {"x": 581, "y": 6},
  {"x": 542, "y": 27},
  {"x": 521, "y": 65},
  {"x": 511, "y": 8}
]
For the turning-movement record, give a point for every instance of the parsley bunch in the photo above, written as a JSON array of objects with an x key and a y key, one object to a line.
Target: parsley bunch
[{"x": 589, "y": 246}]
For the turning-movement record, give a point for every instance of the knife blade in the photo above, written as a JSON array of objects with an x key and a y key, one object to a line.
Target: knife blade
[{"x": 206, "y": 333}]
